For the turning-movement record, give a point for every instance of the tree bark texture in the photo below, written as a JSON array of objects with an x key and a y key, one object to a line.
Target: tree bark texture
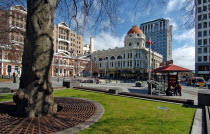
[{"x": 34, "y": 96}]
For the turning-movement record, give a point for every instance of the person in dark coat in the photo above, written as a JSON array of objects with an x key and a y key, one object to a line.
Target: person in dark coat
[
  {"x": 176, "y": 88},
  {"x": 194, "y": 81},
  {"x": 169, "y": 91}
]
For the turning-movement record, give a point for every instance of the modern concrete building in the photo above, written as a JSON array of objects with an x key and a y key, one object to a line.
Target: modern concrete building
[
  {"x": 202, "y": 39},
  {"x": 68, "y": 46},
  {"x": 128, "y": 61},
  {"x": 160, "y": 32}
]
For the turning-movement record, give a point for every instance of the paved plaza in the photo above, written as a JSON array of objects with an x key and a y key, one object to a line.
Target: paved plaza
[{"x": 188, "y": 92}]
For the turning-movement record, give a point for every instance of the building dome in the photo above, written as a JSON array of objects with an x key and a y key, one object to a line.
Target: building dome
[{"x": 135, "y": 29}]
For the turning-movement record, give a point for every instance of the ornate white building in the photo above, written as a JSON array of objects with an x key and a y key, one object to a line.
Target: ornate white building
[{"x": 128, "y": 61}]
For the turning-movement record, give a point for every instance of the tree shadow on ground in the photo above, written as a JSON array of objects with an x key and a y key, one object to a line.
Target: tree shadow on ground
[{"x": 8, "y": 108}]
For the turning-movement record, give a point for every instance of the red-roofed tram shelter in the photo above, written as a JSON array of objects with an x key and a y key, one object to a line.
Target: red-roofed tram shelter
[{"x": 169, "y": 74}]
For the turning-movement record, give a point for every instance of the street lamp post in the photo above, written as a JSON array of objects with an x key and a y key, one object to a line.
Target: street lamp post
[
  {"x": 91, "y": 67},
  {"x": 72, "y": 51}
]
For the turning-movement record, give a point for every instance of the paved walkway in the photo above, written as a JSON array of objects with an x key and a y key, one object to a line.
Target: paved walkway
[{"x": 187, "y": 92}]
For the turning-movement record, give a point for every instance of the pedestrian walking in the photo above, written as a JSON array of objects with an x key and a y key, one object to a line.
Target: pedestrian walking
[
  {"x": 176, "y": 88},
  {"x": 179, "y": 89},
  {"x": 194, "y": 81}
]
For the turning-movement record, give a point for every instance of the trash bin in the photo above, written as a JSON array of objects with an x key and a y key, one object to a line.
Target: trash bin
[
  {"x": 204, "y": 98},
  {"x": 149, "y": 88}
]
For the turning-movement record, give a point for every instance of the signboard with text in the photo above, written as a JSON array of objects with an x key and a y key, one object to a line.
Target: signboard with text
[
  {"x": 172, "y": 80},
  {"x": 166, "y": 63}
]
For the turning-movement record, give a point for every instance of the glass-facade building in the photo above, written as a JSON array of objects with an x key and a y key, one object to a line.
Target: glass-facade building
[{"x": 160, "y": 32}]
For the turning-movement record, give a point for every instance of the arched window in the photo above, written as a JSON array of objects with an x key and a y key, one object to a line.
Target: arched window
[
  {"x": 130, "y": 44},
  {"x": 100, "y": 59},
  {"x": 119, "y": 57},
  {"x": 112, "y": 58}
]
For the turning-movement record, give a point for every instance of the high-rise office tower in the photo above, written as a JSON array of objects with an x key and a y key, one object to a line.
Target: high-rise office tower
[
  {"x": 160, "y": 32},
  {"x": 202, "y": 39}
]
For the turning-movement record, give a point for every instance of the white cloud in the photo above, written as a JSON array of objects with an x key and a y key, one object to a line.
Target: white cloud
[
  {"x": 106, "y": 40},
  {"x": 185, "y": 57},
  {"x": 173, "y": 5},
  {"x": 173, "y": 23},
  {"x": 186, "y": 35}
]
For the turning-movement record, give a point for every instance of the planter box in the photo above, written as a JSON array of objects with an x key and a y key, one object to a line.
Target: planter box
[
  {"x": 138, "y": 84},
  {"x": 204, "y": 98},
  {"x": 71, "y": 84}
]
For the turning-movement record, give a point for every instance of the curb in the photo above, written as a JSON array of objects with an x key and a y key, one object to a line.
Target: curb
[{"x": 197, "y": 126}]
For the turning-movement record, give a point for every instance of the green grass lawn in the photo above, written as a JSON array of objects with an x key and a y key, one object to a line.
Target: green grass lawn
[{"x": 127, "y": 115}]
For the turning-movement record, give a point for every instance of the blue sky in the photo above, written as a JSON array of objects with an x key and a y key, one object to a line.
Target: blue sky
[{"x": 183, "y": 38}]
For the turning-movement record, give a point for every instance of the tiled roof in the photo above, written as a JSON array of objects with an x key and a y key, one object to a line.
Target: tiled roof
[{"x": 171, "y": 68}]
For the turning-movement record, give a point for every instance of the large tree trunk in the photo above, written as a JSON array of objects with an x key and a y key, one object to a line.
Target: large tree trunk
[{"x": 34, "y": 96}]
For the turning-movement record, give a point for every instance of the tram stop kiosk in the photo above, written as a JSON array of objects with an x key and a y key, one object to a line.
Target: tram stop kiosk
[{"x": 168, "y": 74}]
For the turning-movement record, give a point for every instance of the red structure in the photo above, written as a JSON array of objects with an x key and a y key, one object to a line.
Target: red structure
[
  {"x": 171, "y": 68},
  {"x": 172, "y": 72}
]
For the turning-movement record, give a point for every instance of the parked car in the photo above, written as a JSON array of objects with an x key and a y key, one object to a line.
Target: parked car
[{"x": 198, "y": 81}]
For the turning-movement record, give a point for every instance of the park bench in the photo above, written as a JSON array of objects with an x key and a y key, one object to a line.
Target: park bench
[{"x": 71, "y": 83}]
